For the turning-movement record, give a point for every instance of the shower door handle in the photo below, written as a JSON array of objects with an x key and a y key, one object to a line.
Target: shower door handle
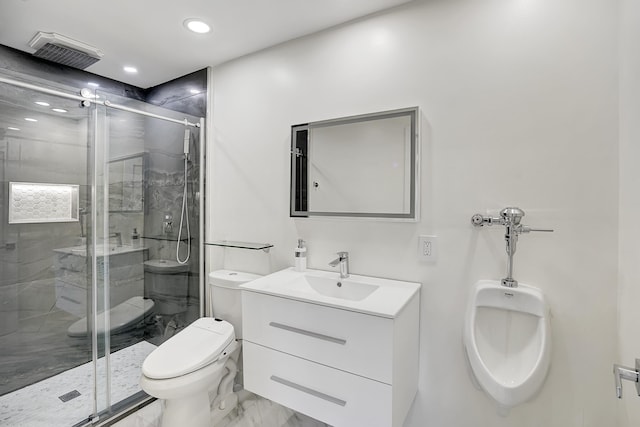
[{"x": 622, "y": 373}]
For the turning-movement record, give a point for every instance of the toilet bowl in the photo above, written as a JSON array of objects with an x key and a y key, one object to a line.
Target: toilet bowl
[
  {"x": 507, "y": 340},
  {"x": 167, "y": 284},
  {"x": 184, "y": 367},
  {"x": 195, "y": 367},
  {"x": 123, "y": 318}
]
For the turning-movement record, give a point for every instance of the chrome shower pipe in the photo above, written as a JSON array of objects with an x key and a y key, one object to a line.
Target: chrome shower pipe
[
  {"x": 200, "y": 200},
  {"x": 110, "y": 104},
  {"x": 41, "y": 89}
]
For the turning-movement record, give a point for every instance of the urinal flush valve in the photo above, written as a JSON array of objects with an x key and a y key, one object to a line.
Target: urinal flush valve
[{"x": 511, "y": 218}]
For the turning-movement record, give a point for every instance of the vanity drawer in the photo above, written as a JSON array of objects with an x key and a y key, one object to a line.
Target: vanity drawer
[
  {"x": 329, "y": 395},
  {"x": 358, "y": 343}
]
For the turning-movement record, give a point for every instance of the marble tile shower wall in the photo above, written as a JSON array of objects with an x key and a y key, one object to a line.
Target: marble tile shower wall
[
  {"x": 164, "y": 193},
  {"x": 126, "y": 138},
  {"x": 57, "y": 157},
  {"x": 186, "y": 94}
]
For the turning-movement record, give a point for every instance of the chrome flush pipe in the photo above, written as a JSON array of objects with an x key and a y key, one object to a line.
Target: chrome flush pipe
[{"x": 511, "y": 218}]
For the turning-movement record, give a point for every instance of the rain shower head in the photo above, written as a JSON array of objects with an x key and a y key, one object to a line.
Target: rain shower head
[{"x": 64, "y": 50}]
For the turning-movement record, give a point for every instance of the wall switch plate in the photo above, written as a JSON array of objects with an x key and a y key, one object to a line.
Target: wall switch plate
[{"x": 427, "y": 248}]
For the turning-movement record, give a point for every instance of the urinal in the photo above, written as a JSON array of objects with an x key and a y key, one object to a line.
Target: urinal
[{"x": 507, "y": 341}]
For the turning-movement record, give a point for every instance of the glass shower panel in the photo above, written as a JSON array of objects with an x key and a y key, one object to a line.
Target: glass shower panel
[
  {"x": 45, "y": 276},
  {"x": 151, "y": 295}
]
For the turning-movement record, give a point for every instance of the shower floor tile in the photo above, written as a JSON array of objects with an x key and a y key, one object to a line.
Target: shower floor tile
[{"x": 39, "y": 404}]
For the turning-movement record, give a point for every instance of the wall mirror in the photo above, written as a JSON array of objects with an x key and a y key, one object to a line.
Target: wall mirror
[
  {"x": 125, "y": 184},
  {"x": 360, "y": 166}
]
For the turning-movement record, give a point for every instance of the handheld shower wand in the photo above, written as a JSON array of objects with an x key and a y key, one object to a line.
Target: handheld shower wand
[{"x": 187, "y": 138}]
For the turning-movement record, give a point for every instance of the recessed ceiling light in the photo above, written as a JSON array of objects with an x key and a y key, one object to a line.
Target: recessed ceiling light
[
  {"x": 29, "y": 119},
  {"x": 42, "y": 103},
  {"x": 197, "y": 26},
  {"x": 12, "y": 128},
  {"x": 194, "y": 91},
  {"x": 59, "y": 110},
  {"x": 93, "y": 84},
  {"x": 130, "y": 69}
]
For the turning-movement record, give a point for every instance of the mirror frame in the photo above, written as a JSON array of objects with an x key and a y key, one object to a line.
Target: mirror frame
[
  {"x": 143, "y": 157},
  {"x": 300, "y": 166}
]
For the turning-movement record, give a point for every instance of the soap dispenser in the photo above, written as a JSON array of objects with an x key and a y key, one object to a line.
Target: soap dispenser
[
  {"x": 301, "y": 256},
  {"x": 135, "y": 238}
]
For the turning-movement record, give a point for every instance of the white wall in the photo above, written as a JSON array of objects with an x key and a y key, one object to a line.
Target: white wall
[
  {"x": 629, "y": 275},
  {"x": 519, "y": 107}
]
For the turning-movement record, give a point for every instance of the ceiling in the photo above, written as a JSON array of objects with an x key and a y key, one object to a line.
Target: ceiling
[{"x": 150, "y": 35}]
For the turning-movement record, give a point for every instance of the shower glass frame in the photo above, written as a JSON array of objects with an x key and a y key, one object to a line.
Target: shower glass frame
[{"x": 98, "y": 231}]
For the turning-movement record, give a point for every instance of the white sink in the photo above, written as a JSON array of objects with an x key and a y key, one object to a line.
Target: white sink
[
  {"x": 347, "y": 289},
  {"x": 372, "y": 295}
]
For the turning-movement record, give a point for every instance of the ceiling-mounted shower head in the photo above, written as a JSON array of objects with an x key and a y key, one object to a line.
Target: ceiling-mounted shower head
[{"x": 64, "y": 50}]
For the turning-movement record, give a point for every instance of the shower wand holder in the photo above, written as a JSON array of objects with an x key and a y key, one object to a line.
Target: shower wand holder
[{"x": 510, "y": 218}]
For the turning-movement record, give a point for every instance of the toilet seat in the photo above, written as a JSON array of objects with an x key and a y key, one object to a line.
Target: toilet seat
[
  {"x": 198, "y": 345},
  {"x": 121, "y": 317},
  {"x": 507, "y": 340}
]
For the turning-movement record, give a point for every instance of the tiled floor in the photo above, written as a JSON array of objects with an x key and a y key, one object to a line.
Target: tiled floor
[
  {"x": 39, "y": 405},
  {"x": 254, "y": 411}
]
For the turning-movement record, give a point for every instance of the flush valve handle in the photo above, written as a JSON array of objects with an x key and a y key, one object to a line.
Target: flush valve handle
[{"x": 479, "y": 220}]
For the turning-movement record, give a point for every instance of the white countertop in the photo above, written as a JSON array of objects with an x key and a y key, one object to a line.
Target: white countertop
[
  {"x": 387, "y": 300},
  {"x": 113, "y": 250}
]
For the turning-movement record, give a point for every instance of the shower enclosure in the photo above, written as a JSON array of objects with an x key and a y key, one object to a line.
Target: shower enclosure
[{"x": 87, "y": 182}]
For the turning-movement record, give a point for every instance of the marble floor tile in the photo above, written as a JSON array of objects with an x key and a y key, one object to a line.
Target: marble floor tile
[
  {"x": 253, "y": 411},
  {"x": 39, "y": 405}
]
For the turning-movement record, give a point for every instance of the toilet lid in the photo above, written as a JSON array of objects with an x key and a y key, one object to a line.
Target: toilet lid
[
  {"x": 196, "y": 346},
  {"x": 121, "y": 317}
]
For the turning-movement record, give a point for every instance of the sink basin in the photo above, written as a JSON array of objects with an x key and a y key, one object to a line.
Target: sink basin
[
  {"x": 333, "y": 287},
  {"x": 372, "y": 295}
]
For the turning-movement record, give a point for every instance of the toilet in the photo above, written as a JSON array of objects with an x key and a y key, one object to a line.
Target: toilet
[
  {"x": 200, "y": 359},
  {"x": 507, "y": 339},
  {"x": 124, "y": 317},
  {"x": 166, "y": 282}
]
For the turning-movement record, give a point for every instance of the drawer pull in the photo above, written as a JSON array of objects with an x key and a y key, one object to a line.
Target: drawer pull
[
  {"x": 309, "y": 391},
  {"x": 308, "y": 333}
]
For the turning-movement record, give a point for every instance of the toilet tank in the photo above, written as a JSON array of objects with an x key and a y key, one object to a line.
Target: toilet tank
[{"x": 226, "y": 301}]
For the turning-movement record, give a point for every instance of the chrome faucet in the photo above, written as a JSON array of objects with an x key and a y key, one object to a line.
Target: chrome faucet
[
  {"x": 117, "y": 236},
  {"x": 343, "y": 260}
]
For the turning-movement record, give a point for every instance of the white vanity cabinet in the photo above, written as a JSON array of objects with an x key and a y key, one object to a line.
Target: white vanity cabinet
[
  {"x": 341, "y": 366},
  {"x": 73, "y": 279}
]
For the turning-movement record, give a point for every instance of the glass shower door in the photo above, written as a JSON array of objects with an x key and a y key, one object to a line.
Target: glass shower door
[
  {"x": 94, "y": 201},
  {"x": 45, "y": 273},
  {"x": 148, "y": 277}
]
